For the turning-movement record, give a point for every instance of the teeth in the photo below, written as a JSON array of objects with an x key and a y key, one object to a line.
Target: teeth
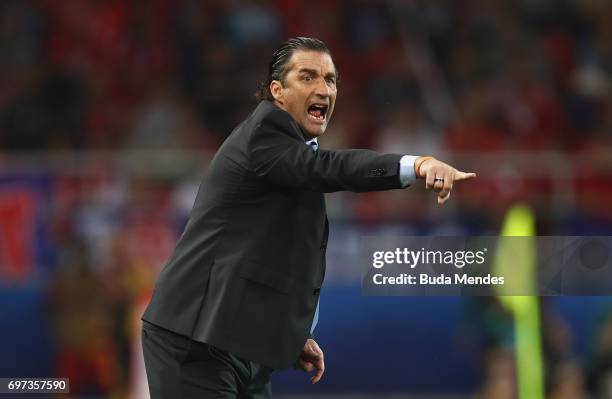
[{"x": 322, "y": 110}]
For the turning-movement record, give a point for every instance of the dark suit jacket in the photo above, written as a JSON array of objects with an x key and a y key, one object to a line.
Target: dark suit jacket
[{"x": 245, "y": 275}]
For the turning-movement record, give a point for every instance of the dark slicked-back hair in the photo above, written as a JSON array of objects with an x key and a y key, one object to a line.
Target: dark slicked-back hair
[{"x": 278, "y": 67}]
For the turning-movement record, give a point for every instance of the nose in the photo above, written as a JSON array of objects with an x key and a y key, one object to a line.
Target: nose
[{"x": 322, "y": 89}]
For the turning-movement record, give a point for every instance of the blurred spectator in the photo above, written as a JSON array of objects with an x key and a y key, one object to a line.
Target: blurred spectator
[
  {"x": 600, "y": 372},
  {"x": 87, "y": 353}
]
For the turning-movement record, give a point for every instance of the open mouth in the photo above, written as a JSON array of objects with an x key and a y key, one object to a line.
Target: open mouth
[{"x": 317, "y": 112}]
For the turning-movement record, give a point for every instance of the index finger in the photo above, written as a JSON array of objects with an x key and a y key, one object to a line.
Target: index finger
[
  {"x": 320, "y": 365},
  {"x": 464, "y": 176}
]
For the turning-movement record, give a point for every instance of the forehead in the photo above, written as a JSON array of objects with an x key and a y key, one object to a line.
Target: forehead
[{"x": 314, "y": 60}]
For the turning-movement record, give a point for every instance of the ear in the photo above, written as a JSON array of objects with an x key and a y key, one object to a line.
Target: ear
[{"x": 276, "y": 88}]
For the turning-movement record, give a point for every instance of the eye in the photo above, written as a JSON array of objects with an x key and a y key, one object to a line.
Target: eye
[
  {"x": 306, "y": 78},
  {"x": 331, "y": 80}
]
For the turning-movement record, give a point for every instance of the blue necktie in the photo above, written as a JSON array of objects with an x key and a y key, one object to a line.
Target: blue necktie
[{"x": 313, "y": 144}]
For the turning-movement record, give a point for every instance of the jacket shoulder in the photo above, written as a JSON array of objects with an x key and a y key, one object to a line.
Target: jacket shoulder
[
  {"x": 269, "y": 116},
  {"x": 266, "y": 110}
]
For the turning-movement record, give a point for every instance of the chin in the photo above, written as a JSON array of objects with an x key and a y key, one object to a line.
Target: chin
[{"x": 316, "y": 132}]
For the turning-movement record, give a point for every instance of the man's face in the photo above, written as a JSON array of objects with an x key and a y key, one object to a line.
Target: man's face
[{"x": 309, "y": 91}]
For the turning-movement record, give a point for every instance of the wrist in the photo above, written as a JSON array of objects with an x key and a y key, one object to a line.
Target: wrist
[{"x": 419, "y": 163}]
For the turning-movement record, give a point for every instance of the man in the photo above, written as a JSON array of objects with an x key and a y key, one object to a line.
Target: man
[{"x": 238, "y": 297}]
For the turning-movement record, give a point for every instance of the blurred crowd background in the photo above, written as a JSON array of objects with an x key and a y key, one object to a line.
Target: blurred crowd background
[{"x": 110, "y": 111}]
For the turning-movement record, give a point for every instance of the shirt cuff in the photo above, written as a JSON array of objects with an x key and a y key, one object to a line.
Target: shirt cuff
[{"x": 406, "y": 170}]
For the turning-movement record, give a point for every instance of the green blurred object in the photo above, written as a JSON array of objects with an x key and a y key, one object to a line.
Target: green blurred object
[{"x": 516, "y": 259}]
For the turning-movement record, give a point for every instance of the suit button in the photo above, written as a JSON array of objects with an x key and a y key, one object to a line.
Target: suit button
[
  {"x": 323, "y": 246},
  {"x": 316, "y": 291}
]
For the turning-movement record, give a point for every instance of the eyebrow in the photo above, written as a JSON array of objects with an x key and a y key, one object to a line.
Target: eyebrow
[{"x": 314, "y": 72}]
